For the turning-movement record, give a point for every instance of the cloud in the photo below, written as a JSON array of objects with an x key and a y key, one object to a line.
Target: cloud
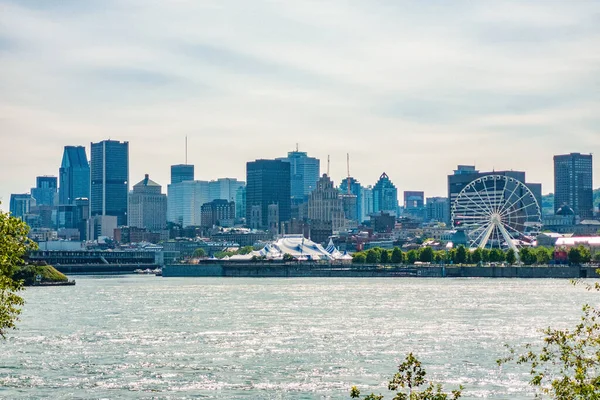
[{"x": 402, "y": 86}]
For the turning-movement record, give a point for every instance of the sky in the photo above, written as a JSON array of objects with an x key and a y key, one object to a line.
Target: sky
[{"x": 407, "y": 88}]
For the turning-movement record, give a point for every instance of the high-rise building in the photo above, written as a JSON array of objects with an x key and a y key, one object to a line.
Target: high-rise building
[
  {"x": 240, "y": 202},
  {"x": 352, "y": 186},
  {"x": 366, "y": 202},
  {"x": 110, "y": 179},
  {"x": 147, "y": 206},
  {"x": 74, "y": 175},
  {"x": 414, "y": 204},
  {"x": 224, "y": 188},
  {"x": 573, "y": 183},
  {"x": 45, "y": 191},
  {"x": 304, "y": 173},
  {"x": 437, "y": 209},
  {"x": 325, "y": 204},
  {"x": 185, "y": 200},
  {"x": 385, "y": 196},
  {"x": 218, "y": 212},
  {"x": 181, "y": 173},
  {"x": 268, "y": 183},
  {"x": 20, "y": 204}
]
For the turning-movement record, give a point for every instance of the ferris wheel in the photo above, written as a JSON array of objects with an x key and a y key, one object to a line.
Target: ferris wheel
[{"x": 496, "y": 211}]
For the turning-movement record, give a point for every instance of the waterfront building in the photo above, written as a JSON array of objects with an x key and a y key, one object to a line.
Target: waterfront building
[
  {"x": 181, "y": 173},
  {"x": 147, "y": 206},
  {"x": 184, "y": 202},
  {"x": 224, "y": 189},
  {"x": 573, "y": 183},
  {"x": 20, "y": 204},
  {"x": 437, "y": 209},
  {"x": 74, "y": 175},
  {"x": 110, "y": 179},
  {"x": 45, "y": 191},
  {"x": 102, "y": 226},
  {"x": 325, "y": 204},
  {"x": 268, "y": 182},
  {"x": 304, "y": 173},
  {"x": 240, "y": 203},
  {"x": 385, "y": 196},
  {"x": 218, "y": 212}
]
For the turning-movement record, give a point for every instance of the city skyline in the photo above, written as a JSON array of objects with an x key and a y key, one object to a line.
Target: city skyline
[{"x": 401, "y": 87}]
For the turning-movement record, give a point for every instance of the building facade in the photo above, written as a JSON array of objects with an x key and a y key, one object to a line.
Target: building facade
[
  {"x": 385, "y": 196},
  {"x": 268, "y": 182},
  {"x": 185, "y": 200},
  {"x": 218, "y": 212},
  {"x": 304, "y": 173},
  {"x": 325, "y": 204},
  {"x": 240, "y": 203},
  {"x": 74, "y": 175},
  {"x": 20, "y": 204},
  {"x": 224, "y": 189},
  {"x": 181, "y": 173},
  {"x": 45, "y": 191},
  {"x": 110, "y": 179},
  {"x": 437, "y": 209},
  {"x": 147, "y": 206},
  {"x": 573, "y": 183}
]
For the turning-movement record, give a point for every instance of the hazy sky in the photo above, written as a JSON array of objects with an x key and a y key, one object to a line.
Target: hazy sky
[{"x": 409, "y": 88}]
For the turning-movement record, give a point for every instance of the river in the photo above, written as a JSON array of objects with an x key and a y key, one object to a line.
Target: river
[{"x": 143, "y": 337}]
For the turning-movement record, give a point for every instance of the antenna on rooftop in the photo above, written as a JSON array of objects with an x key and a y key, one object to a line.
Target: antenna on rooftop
[
  {"x": 327, "y": 164},
  {"x": 348, "y": 167},
  {"x": 296, "y": 147},
  {"x": 186, "y": 149}
]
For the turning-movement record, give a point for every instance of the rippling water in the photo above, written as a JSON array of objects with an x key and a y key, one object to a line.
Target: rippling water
[{"x": 142, "y": 337}]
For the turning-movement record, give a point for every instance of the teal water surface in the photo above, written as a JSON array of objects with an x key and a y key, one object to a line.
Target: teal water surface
[{"x": 143, "y": 337}]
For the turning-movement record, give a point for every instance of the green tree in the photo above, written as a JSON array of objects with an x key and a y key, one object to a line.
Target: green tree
[
  {"x": 397, "y": 256},
  {"x": 373, "y": 256},
  {"x": 485, "y": 255},
  {"x": 412, "y": 256},
  {"x": 288, "y": 257},
  {"x": 410, "y": 383},
  {"x": 461, "y": 255},
  {"x": 426, "y": 255},
  {"x": 511, "y": 257},
  {"x": 596, "y": 257},
  {"x": 579, "y": 255},
  {"x": 476, "y": 256},
  {"x": 14, "y": 245},
  {"x": 543, "y": 255},
  {"x": 451, "y": 256},
  {"x": 359, "y": 258},
  {"x": 385, "y": 256},
  {"x": 527, "y": 256},
  {"x": 199, "y": 253},
  {"x": 439, "y": 256},
  {"x": 497, "y": 255},
  {"x": 245, "y": 250}
]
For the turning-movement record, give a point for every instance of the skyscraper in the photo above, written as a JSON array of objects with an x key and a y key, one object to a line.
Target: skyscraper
[
  {"x": 110, "y": 179},
  {"x": 304, "y": 174},
  {"x": 45, "y": 191},
  {"x": 147, "y": 205},
  {"x": 224, "y": 188},
  {"x": 20, "y": 204},
  {"x": 185, "y": 200},
  {"x": 181, "y": 173},
  {"x": 268, "y": 183},
  {"x": 74, "y": 175},
  {"x": 573, "y": 183},
  {"x": 326, "y": 205},
  {"x": 385, "y": 196}
]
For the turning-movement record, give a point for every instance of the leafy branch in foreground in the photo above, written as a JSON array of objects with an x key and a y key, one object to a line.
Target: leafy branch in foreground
[
  {"x": 568, "y": 364},
  {"x": 409, "y": 378}
]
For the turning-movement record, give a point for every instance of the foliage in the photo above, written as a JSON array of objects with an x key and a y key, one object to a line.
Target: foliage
[
  {"x": 359, "y": 258},
  {"x": 288, "y": 257},
  {"x": 511, "y": 256},
  {"x": 397, "y": 256},
  {"x": 385, "y": 256},
  {"x": 543, "y": 255},
  {"x": 245, "y": 250},
  {"x": 476, "y": 256},
  {"x": 440, "y": 256},
  {"x": 408, "y": 380},
  {"x": 27, "y": 274},
  {"x": 497, "y": 255},
  {"x": 597, "y": 257},
  {"x": 199, "y": 253},
  {"x": 527, "y": 256},
  {"x": 461, "y": 255},
  {"x": 412, "y": 256},
  {"x": 485, "y": 255},
  {"x": 373, "y": 256},
  {"x": 426, "y": 255},
  {"x": 566, "y": 366},
  {"x": 14, "y": 244},
  {"x": 579, "y": 255}
]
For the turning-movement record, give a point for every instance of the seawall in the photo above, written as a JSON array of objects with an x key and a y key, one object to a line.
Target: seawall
[{"x": 264, "y": 270}]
